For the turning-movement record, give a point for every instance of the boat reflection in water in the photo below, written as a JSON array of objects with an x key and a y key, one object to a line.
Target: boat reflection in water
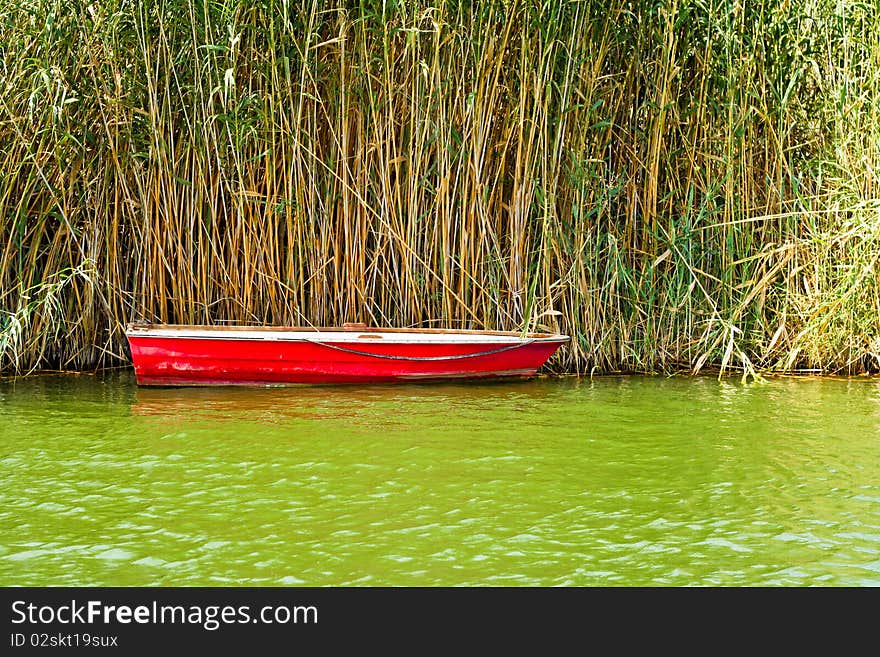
[{"x": 357, "y": 406}]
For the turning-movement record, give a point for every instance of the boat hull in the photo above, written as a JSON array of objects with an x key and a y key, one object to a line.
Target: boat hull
[{"x": 175, "y": 357}]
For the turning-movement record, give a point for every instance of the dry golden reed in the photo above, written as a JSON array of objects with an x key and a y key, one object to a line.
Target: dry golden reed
[{"x": 677, "y": 184}]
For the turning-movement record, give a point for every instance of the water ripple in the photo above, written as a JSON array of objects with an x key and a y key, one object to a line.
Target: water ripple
[{"x": 617, "y": 481}]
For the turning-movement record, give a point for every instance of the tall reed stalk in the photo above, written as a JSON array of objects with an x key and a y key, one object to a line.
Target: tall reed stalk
[{"x": 678, "y": 184}]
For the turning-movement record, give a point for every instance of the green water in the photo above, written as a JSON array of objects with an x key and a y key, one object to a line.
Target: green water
[{"x": 610, "y": 481}]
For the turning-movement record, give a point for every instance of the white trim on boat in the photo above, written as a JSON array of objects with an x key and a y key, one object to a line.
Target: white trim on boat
[{"x": 368, "y": 336}]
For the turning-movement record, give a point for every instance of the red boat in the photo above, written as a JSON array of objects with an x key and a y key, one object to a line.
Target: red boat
[{"x": 174, "y": 355}]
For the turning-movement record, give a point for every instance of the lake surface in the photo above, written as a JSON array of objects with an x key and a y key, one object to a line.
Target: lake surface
[{"x": 614, "y": 481}]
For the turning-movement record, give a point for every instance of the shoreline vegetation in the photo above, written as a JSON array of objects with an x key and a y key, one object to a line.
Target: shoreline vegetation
[{"x": 680, "y": 185}]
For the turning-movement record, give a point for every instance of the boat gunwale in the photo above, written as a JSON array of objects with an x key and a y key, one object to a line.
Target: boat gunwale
[{"x": 180, "y": 331}]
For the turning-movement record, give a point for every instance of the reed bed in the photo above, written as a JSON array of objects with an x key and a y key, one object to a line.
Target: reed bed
[{"x": 678, "y": 184}]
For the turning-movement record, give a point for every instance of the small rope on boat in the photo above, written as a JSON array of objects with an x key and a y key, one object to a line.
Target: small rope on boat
[{"x": 507, "y": 347}]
